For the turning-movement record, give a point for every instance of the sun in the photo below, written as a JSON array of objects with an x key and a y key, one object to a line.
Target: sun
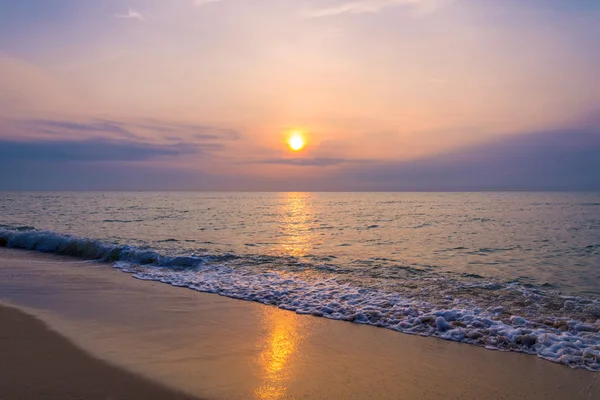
[{"x": 296, "y": 141}]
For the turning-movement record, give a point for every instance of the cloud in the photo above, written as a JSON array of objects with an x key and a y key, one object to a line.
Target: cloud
[
  {"x": 557, "y": 160},
  {"x": 376, "y": 6},
  {"x": 96, "y": 126},
  {"x": 110, "y": 129},
  {"x": 132, "y": 14},
  {"x": 197, "y": 131},
  {"x": 93, "y": 150},
  {"x": 203, "y": 2},
  {"x": 310, "y": 162},
  {"x": 102, "y": 154},
  {"x": 122, "y": 176},
  {"x": 554, "y": 160}
]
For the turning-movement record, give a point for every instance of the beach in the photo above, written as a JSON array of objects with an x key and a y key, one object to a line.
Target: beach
[
  {"x": 38, "y": 363},
  {"x": 215, "y": 347},
  {"x": 299, "y": 199}
]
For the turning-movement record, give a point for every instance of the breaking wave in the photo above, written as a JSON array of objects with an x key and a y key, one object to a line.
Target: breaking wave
[{"x": 507, "y": 316}]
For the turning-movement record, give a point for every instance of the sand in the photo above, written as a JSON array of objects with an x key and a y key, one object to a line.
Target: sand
[
  {"x": 219, "y": 348},
  {"x": 37, "y": 363}
]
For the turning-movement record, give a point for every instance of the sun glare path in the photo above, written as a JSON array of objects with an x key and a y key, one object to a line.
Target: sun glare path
[{"x": 296, "y": 141}]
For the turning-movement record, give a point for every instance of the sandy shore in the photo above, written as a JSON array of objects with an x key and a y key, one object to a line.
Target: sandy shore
[
  {"x": 37, "y": 363},
  {"x": 218, "y": 348}
]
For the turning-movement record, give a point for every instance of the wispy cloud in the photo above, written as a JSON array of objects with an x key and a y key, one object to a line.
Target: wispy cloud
[
  {"x": 376, "y": 6},
  {"x": 135, "y": 130},
  {"x": 93, "y": 150},
  {"x": 203, "y": 2},
  {"x": 311, "y": 162},
  {"x": 132, "y": 14},
  {"x": 546, "y": 160},
  {"x": 96, "y": 126},
  {"x": 197, "y": 131}
]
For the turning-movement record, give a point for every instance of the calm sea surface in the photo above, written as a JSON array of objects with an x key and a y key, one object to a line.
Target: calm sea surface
[
  {"x": 530, "y": 255},
  {"x": 537, "y": 238}
]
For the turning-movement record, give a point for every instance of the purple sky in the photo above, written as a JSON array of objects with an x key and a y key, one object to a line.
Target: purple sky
[{"x": 389, "y": 94}]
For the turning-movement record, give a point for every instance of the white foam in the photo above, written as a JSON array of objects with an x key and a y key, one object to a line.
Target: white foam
[
  {"x": 558, "y": 337},
  {"x": 560, "y": 340}
]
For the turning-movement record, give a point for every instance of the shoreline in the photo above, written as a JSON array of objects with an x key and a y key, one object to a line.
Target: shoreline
[
  {"x": 38, "y": 363},
  {"x": 481, "y": 312},
  {"x": 216, "y": 347}
]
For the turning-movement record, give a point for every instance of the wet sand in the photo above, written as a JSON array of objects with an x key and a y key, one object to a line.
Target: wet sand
[
  {"x": 219, "y": 348},
  {"x": 37, "y": 363}
]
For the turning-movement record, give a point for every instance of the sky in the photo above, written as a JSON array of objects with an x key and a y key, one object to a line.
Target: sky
[{"x": 390, "y": 95}]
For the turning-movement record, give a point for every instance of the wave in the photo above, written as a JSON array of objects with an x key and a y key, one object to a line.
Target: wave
[
  {"x": 91, "y": 249},
  {"x": 500, "y": 316}
]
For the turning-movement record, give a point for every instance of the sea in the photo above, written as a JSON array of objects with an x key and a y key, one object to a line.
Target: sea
[{"x": 508, "y": 271}]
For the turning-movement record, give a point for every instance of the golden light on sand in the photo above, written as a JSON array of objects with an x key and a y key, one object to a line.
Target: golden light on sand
[
  {"x": 296, "y": 140},
  {"x": 279, "y": 346}
]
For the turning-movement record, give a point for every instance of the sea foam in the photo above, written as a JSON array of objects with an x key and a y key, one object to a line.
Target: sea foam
[{"x": 495, "y": 315}]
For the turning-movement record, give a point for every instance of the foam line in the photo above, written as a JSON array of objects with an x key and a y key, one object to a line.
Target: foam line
[{"x": 569, "y": 336}]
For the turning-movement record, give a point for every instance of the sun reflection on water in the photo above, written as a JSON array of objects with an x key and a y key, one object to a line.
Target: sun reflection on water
[
  {"x": 279, "y": 347},
  {"x": 297, "y": 235},
  {"x": 284, "y": 331}
]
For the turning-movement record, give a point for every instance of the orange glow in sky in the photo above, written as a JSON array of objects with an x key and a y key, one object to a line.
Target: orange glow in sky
[{"x": 284, "y": 95}]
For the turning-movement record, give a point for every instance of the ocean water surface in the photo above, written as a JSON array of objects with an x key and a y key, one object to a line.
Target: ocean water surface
[{"x": 508, "y": 271}]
